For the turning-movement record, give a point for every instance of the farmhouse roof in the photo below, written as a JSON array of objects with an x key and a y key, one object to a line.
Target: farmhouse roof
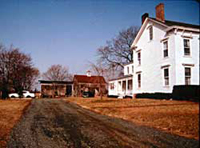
[
  {"x": 89, "y": 79},
  {"x": 167, "y": 24},
  {"x": 174, "y": 23}
]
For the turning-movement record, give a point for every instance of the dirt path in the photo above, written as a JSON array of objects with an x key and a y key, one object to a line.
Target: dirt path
[{"x": 57, "y": 124}]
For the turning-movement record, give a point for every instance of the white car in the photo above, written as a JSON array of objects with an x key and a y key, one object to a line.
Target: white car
[
  {"x": 27, "y": 94},
  {"x": 13, "y": 95}
]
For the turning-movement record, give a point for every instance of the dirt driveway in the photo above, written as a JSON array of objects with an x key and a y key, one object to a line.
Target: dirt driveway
[{"x": 51, "y": 123}]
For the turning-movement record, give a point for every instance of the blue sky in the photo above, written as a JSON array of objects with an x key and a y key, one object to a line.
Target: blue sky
[{"x": 68, "y": 32}]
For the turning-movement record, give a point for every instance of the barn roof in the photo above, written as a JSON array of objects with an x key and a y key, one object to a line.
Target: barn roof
[{"x": 89, "y": 79}]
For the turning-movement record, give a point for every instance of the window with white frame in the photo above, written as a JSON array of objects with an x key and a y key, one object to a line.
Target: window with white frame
[
  {"x": 139, "y": 58},
  {"x": 165, "y": 51},
  {"x": 166, "y": 76},
  {"x": 130, "y": 83},
  {"x": 150, "y": 33},
  {"x": 112, "y": 86},
  {"x": 123, "y": 85},
  {"x": 132, "y": 69},
  {"x": 139, "y": 80},
  {"x": 187, "y": 75},
  {"x": 119, "y": 85},
  {"x": 127, "y": 70},
  {"x": 186, "y": 43}
]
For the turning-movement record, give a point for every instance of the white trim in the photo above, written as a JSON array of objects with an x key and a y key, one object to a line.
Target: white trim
[
  {"x": 187, "y": 37},
  {"x": 165, "y": 66},
  {"x": 188, "y": 65},
  {"x": 138, "y": 72},
  {"x": 142, "y": 29},
  {"x": 150, "y": 25},
  {"x": 138, "y": 50},
  {"x": 164, "y": 39},
  {"x": 182, "y": 28}
]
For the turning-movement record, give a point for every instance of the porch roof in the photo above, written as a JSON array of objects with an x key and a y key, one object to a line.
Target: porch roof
[{"x": 123, "y": 77}]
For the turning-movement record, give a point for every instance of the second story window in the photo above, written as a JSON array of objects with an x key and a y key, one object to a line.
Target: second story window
[
  {"x": 165, "y": 51},
  {"x": 186, "y": 43},
  {"x": 127, "y": 70},
  {"x": 166, "y": 76},
  {"x": 132, "y": 69},
  {"x": 150, "y": 33},
  {"x": 187, "y": 76},
  {"x": 139, "y": 58}
]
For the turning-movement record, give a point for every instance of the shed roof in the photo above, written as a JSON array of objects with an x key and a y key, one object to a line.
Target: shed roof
[{"x": 57, "y": 82}]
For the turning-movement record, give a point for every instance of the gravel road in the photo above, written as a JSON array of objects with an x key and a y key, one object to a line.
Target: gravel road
[{"x": 55, "y": 123}]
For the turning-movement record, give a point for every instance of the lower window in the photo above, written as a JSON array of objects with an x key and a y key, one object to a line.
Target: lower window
[
  {"x": 139, "y": 80},
  {"x": 166, "y": 76},
  {"x": 187, "y": 75}
]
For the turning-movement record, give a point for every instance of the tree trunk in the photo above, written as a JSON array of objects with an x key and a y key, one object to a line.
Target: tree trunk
[{"x": 4, "y": 93}]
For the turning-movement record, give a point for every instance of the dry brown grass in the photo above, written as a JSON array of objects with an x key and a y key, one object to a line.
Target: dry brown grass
[
  {"x": 10, "y": 113},
  {"x": 176, "y": 117}
]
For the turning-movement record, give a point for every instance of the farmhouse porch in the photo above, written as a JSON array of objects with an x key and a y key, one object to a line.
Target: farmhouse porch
[{"x": 121, "y": 87}]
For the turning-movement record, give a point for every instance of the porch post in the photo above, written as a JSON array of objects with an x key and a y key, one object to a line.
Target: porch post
[
  {"x": 126, "y": 86},
  {"x": 121, "y": 86}
]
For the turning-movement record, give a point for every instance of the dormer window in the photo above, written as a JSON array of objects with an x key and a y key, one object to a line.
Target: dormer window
[
  {"x": 186, "y": 43},
  {"x": 150, "y": 33}
]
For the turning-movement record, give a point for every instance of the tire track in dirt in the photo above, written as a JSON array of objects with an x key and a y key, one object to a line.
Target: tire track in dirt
[{"x": 56, "y": 123}]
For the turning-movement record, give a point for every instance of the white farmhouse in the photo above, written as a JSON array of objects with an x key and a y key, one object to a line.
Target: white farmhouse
[{"x": 165, "y": 53}]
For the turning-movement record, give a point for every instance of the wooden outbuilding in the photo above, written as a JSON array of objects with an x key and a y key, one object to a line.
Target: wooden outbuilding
[
  {"x": 88, "y": 83},
  {"x": 53, "y": 89}
]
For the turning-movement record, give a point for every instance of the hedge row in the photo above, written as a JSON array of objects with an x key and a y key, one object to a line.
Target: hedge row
[{"x": 180, "y": 92}]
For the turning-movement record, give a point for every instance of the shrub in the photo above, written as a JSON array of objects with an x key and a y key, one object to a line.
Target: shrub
[
  {"x": 186, "y": 92},
  {"x": 155, "y": 95}
]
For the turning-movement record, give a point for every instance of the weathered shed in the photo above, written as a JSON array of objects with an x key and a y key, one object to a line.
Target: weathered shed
[{"x": 56, "y": 88}]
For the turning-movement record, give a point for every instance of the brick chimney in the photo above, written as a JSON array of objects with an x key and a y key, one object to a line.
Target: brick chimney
[
  {"x": 160, "y": 14},
  {"x": 144, "y": 16}
]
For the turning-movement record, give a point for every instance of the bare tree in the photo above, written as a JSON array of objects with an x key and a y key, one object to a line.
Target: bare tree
[
  {"x": 117, "y": 52},
  {"x": 57, "y": 73},
  {"x": 99, "y": 71},
  {"x": 16, "y": 71}
]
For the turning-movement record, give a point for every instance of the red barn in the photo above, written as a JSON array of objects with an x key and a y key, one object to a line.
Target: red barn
[{"x": 88, "y": 83}]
